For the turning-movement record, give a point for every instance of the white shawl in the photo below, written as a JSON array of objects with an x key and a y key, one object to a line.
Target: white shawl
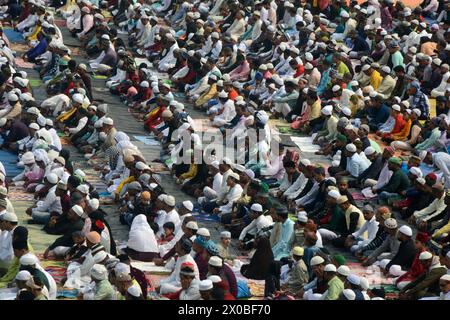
[{"x": 142, "y": 238}]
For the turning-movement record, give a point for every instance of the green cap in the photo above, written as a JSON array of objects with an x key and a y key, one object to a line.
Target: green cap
[
  {"x": 341, "y": 137},
  {"x": 395, "y": 160}
]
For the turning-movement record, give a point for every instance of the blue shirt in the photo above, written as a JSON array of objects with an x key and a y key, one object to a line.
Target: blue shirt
[
  {"x": 282, "y": 248},
  {"x": 38, "y": 50},
  {"x": 381, "y": 115}
]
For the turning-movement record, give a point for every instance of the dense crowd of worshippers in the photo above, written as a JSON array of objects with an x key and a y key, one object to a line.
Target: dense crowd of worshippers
[{"x": 369, "y": 82}]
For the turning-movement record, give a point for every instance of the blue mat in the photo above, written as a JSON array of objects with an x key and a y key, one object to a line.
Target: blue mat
[
  {"x": 14, "y": 36},
  {"x": 9, "y": 161},
  {"x": 206, "y": 217}
]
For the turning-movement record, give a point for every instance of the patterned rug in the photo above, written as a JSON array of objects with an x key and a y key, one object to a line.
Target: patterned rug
[{"x": 372, "y": 274}]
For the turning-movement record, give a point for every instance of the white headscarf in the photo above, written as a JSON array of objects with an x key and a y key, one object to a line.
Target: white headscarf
[{"x": 142, "y": 238}]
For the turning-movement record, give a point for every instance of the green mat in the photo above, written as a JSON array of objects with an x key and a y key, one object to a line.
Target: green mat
[
  {"x": 99, "y": 76},
  {"x": 288, "y": 130},
  {"x": 36, "y": 82}
]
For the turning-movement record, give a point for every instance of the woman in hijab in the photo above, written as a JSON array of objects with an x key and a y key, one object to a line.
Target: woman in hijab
[
  {"x": 142, "y": 244},
  {"x": 259, "y": 266}
]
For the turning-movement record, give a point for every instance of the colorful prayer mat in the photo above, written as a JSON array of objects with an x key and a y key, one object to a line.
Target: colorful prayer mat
[{"x": 23, "y": 64}]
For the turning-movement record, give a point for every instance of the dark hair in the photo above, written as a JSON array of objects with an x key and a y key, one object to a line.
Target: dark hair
[
  {"x": 123, "y": 257},
  {"x": 169, "y": 225},
  {"x": 20, "y": 245},
  {"x": 319, "y": 170},
  {"x": 25, "y": 295},
  {"x": 289, "y": 164},
  {"x": 217, "y": 293}
]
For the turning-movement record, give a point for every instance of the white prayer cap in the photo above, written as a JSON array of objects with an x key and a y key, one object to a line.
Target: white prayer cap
[
  {"x": 105, "y": 37},
  {"x": 350, "y": 147},
  {"x": 28, "y": 158},
  {"x": 52, "y": 178},
  {"x": 316, "y": 260},
  {"x": 445, "y": 277},
  {"x": 327, "y": 110},
  {"x": 94, "y": 204},
  {"x": 396, "y": 107},
  {"x": 425, "y": 255},
  {"x": 234, "y": 176},
  {"x": 225, "y": 235},
  {"x": 405, "y": 103},
  {"x": 369, "y": 151},
  {"x": 349, "y": 294},
  {"x": 302, "y": 217},
  {"x": 223, "y": 94},
  {"x": 23, "y": 275},
  {"x": 330, "y": 268},
  {"x": 13, "y": 97},
  {"x": 407, "y": 231},
  {"x": 415, "y": 171},
  {"x": 145, "y": 84},
  {"x": 215, "y": 261},
  {"x": 153, "y": 186},
  {"x": 80, "y": 173},
  {"x": 9, "y": 217},
  {"x": 203, "y": 232},
  {"x": 215, "y": 35},
  {"x": 169, "y": 200},
  {"x": 28, "y": 259},
  {"x": 256, "y": 207},
  {"x": 334, "y": 194},
  {"x": 20, "y": 81},
  {"x": 99, "y": 272},
  {"x": 83, "y": 188},
  {"x": 103, "y": 108},
  {"x": 437, "y": 61},
  {"x": 396, "y": 270},
  {"x": 205, "y": 285},
  {"x": 134, "y": 290},
  {"x": 78, "y": 97},
  {"x": 78, "y": 210},
  {"x": 192, "y": 225},
  {"x": 305, "y": 162},
  {"x": 188, "y": 205},
  {"x": 309, "y": 66},
  {"x": 386, "y": 69},
  {"x": 122, "y": 268},
  {"x": 390, "y": 223},
  {"x": 141, "y": 166},
  {"x": 250, "y": 173},
  {"x": 344, "y": 14},
  {"x": 365, "y": 67},
  {"x": 108, "y": 121},
  {"x": 347, "y": 111},
  {"x": 422, "y": 181},
  {"x": 354, "y": 279},
  {"x": 215, "y": 279},
  {"x": 336, "y": 88},
  {"x": 343, "y": 270},
  {"x": 93, "y": 107}
]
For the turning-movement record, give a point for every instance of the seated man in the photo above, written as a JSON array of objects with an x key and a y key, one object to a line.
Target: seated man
[
  {"x": 398, "y": 183},
  {"x": 389, "y": 248}
]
